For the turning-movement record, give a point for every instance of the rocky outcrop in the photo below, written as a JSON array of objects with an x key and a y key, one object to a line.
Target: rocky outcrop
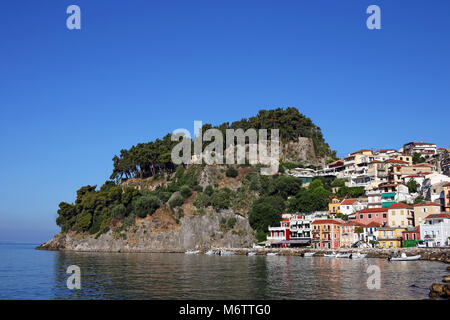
[{"x": 192, "y": 232}]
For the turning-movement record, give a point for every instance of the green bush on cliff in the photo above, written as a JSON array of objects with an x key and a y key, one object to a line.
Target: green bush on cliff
[
  {"x": 265, "y": 212},
  {"x": 142, "y": 206},
  {"x": 83, "y": 222},
  {"x": 231, "y": 172},
  {"x": 185, "y": 191},
  {"x": 176, "y": 201},
  {"x": 119, "y": 211}
]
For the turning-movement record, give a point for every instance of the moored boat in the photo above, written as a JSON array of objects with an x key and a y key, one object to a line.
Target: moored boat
[
  {"x": 210, "y": 252},
  {"x": 404, "y": 257},
  {"x": 192, "y": 252},
  {"x": 271, "y": 254},
  {"x": 330, "y": 255},
  {"x": 343, "y": 255},
  {"x": 251, "y": 253},
  {"x": 309, "y": 254},
  {"x": 226, "y": 253},
  {"x": 357, "y": 255}
]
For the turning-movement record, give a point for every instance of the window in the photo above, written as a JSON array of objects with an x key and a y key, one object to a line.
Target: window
[
  {"x": 369, "y": 216},
  {"x": 384, "y": 215},
  {"x": 361, "y": 216}
]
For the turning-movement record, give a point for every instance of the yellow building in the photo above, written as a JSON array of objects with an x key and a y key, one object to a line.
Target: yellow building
[
  {"x": 424, "y": 209},
  {"x": 390, "y": 237},
  {"x": 400, "y": 215},
  {"x": 406, "y": 158},
  {"x": 334, "y": 206}
]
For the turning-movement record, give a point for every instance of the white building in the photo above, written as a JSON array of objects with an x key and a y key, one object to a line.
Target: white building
[
  {"x": 374, "y": 198},
  {"x": 423, "y": 148},
  {"x": 349, "y": 206},
  {"x": 435, "y": 232}
]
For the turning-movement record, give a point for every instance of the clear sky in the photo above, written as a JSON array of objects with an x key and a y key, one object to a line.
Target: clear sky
[{"x": 71, "y": 99}]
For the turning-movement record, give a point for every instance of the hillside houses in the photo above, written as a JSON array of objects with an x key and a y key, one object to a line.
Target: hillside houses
[{"x": 406, "y": 198}]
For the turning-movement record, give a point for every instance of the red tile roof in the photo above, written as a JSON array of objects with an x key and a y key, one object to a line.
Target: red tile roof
[
  {"x": 372, "y": 210},
  {"x": 396, "y": 161},
  {"x": 373, "y": 224},
  {"x": 421, "y": 143},
  {"x": 400, "y": 206},
  {"x": 427, "y": 203},
  {"x": 438, "y": 215},
  {"x": 323, "y": 221},
  {"x": 348, "y": 201},
  {"x": 360, "y": 151}
]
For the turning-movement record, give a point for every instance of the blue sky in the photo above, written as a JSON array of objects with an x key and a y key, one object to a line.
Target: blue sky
[{"x": 71, "y": 99}]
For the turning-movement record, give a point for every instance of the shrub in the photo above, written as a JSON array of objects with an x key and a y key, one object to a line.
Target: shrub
[
  {"x": 231, "y": 223},
  {"x": 83, "y": 222},
  {"x": 176, "y": 201},
  {"x": 186, "y": 192},
  {"x": 128, "y": 221},
  {"x": 145, "y": 205},
  {"x": 231, "y": 172},
  {"x": 119, "y": 211}
]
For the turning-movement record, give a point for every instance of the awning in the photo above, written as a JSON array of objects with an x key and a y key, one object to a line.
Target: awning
[{"x": 299, "y": 241}]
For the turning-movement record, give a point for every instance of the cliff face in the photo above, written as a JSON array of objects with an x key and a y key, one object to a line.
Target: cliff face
[
  {"x": 301, "y": 151},
  {"x": 152, "y": 235}
]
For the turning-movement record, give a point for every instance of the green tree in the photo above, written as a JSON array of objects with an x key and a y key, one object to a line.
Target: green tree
[
  {"x": 185, "y": 191},
  {"x": 231, "y": 172},
  {"x": 176, "y": 201},
  {"x": 417, "y": 158},
  {"x": 412, "y": 185},
  {"x": 266, "y": 211},
  {"x": 144, "y": 205}
]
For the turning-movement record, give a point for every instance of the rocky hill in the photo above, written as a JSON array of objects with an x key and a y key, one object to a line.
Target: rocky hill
[{"x": 153, "y": 205}]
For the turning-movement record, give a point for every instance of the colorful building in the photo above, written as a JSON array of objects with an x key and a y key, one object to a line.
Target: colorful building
[
  {"x": 326, "y": 233},
  {"x": 445, "y": 198},
  {"x": 369, "y": 215},
  {"x": 334, "y": 206},
  {"x": 424, "y": 209},
  {"x": 410, "y": 237},
  {"x": 390, "y": 237},
  {"x": 435, "y": 232},
  {"x": 400, "y": 215}
]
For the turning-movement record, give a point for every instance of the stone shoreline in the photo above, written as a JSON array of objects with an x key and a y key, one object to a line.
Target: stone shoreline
[{"x": 430, "y": 254}]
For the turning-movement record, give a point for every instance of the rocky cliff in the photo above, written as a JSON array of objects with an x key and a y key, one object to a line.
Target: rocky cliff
[{"x": 156, "y": 235}]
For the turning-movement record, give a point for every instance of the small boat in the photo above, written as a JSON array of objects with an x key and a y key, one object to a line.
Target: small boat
[
  {"x": 251, "y": 253},
  {"x": 343, "y": 255},
  {"x": 357, "y": 255},
  {"x": 226, "y": 253},
  {"x": 332, "y": 255},
  {"x": 210, "y": 252},
  {"x": 308, "y": 254},
  {"x": 192, "y": 252},
  {"x": 271, "y": 254},
  {"x": 403, "y": 257}
]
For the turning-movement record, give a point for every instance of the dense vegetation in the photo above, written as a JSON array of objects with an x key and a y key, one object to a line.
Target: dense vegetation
[
  {"x": 262, "y": 198},
  {"x": 148, "y": 159},
  {"x": 95, "y": 210}
]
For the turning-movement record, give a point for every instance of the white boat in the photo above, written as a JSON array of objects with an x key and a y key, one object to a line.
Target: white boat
[
  {"x": 251, "y": 253},
  {"x": 209, "y": 252},
  {"x": 343, "y": 255},
  {"x": 226, "y": 253},
  {"x": 309, "y": 254},
  {"x": 403, "y": 257},
  {"x": 192, "y": 252},
  {"x": 271, "y": 254},
  {"x": 357, "y": 255},
  {"x": 332, "y": 255}
]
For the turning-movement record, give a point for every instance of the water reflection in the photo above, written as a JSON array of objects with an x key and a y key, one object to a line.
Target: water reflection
[{"x": 179, "y": 276}]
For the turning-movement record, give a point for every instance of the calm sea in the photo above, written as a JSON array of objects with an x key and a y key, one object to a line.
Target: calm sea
[{"x": 26, "y": 273}]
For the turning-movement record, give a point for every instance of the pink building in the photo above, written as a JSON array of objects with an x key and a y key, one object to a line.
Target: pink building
[{"x": 368, "y": 215}]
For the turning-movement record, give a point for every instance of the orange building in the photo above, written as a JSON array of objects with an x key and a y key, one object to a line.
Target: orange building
[{"x": 326, "y": 233}]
